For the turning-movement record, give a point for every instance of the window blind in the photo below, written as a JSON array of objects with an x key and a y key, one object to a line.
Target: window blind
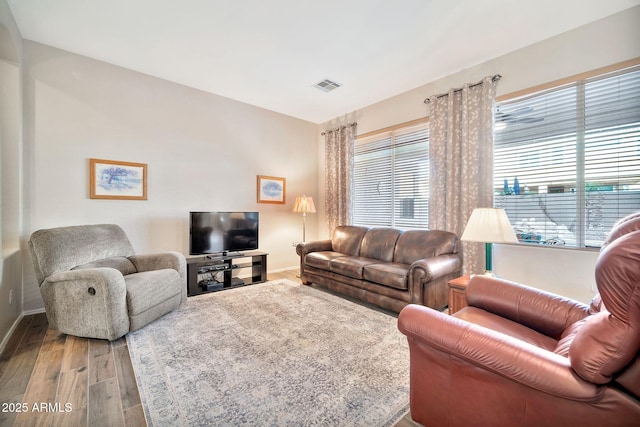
[
  {"x": 567, "y": 160},
  {"x": 391, "y": 179}
]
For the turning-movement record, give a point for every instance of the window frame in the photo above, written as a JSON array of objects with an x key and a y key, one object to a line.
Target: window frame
[
  {"x": 581, "y": 137},
  {"x": 393, "y": 134}
]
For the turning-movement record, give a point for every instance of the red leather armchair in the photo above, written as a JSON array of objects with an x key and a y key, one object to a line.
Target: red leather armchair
[{"x": 518, "y": 356}]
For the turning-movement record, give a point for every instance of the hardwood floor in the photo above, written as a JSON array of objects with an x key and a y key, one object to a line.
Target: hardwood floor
[
  {"x": 51, "y": 379},
  {"x": 48, "y": 378}
]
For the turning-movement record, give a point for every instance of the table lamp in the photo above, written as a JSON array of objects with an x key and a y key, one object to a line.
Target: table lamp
[
  {"x": 304, "y": 204},
  {"x": 488, "y": 226}
]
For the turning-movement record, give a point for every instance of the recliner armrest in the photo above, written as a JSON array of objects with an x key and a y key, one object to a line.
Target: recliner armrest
[
  {"x": 542, "y": 311},
  {"x": 163, "y": 260},
  {"x": 90, "y": 302},
  {"x": 319, "y": 245},
  {"x": 508, "y": 357},
  {"x": 159, "y": 261},
  {"x": 107, "y": 277}
]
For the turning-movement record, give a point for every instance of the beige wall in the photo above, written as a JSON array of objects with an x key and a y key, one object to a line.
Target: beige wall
[
  {"x": 10, "y": 172},
  {"x": 602, "y": 43},
  {"x": 203, "y": 152}
]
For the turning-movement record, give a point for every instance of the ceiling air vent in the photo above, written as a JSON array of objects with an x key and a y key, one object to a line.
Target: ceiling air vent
[{"x": 327, "y": 85}]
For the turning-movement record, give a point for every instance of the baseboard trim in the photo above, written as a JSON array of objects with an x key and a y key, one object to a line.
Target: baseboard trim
[
  {"x": 278, "y": 270},
  {"x": 12, "y": 329},
  {"x": 31, "y": 312},
  {"x": 15, "y": 324}
]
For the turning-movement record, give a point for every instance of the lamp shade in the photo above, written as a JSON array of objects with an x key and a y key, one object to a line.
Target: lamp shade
[
  {"x": 489, "y": 225},
  {"x": 304, "y": 204}
]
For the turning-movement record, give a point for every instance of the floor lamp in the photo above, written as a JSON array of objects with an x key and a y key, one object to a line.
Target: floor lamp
[
  {"x": 305, "y": 205},
  {"x": 489, "y": 226}
]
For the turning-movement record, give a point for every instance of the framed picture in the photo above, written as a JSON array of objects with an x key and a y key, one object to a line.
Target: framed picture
[
  {"x": 110, "y": 179},
  {"x": 271, "y": 189}
]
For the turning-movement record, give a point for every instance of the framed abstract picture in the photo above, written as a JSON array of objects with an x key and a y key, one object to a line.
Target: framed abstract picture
[
  {"x": 271, "y": 189},
  {"x": 111, "y": 179}
]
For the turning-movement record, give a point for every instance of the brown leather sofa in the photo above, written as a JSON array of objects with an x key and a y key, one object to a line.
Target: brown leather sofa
[
  {"x": 517, "y": 356},
  {"x": 384, "y": 266}
]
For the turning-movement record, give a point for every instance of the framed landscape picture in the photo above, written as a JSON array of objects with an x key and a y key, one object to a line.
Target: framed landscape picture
[
  {"x": 110, "y": 179},
  {"x": 271, "y": 189}
]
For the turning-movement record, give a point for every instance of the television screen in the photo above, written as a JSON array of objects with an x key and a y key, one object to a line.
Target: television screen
[{"x": 221, "y": 232}]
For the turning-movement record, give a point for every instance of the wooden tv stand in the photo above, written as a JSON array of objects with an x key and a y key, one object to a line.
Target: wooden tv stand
[{"x": 217, "y": 273}]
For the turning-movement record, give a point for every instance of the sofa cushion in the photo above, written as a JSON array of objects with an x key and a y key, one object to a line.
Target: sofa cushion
[
  {"x": 322, "y": 259},
  {"x": 122, "y": 264},
  {"x": 350, "y": 266},
  {"x": 346, "y": 239},
  {"x": 393, "y": 275},
  {"x": 413, "y": 245},
  {"x": 379, "y": 243}
]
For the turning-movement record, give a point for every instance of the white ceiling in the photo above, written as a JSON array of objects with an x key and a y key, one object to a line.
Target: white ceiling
[{"x": 270, "y": 53}]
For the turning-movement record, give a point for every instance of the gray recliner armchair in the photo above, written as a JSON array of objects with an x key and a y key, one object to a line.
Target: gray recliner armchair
[{"x": 95, "y": 286}]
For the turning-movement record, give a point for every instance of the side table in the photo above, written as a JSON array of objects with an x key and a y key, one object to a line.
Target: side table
[{"x": 457, "y": 293}]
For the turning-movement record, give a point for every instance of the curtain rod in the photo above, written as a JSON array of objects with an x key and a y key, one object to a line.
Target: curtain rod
[
  {"x": 495, "y": 78},
  {"x": 338, "y": 128}
]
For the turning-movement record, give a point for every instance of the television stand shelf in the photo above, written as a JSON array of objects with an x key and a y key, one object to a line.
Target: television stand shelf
[{"x": 217, "y": 273}]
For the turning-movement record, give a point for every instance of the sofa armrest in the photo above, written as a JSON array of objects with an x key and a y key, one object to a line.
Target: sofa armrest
[
  {"x": 90, "y": 302},
  {"x": 436, "y": 269},
  {"x": 493, "y": 351},
  {"x": 428, "y": 269},
  {"x": 302, "y": 249},
  {"x": 319, "y": 245},
  {"x": 542, "y": 311}
]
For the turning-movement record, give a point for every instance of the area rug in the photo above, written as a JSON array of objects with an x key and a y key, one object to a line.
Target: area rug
[{"x": 273, "y": 354}]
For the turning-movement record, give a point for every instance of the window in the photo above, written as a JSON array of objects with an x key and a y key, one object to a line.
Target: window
[
  {"x": 567, "y": 160},
  {"x": 391, "y": 179}
]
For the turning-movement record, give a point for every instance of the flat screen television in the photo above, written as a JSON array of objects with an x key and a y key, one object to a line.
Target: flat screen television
[{"x": 222, "y": 232}]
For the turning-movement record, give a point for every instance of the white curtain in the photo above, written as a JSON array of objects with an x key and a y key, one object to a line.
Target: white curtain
[
  {"x": 461, "y": 152},
  {"x": 339, "y": 175}
]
